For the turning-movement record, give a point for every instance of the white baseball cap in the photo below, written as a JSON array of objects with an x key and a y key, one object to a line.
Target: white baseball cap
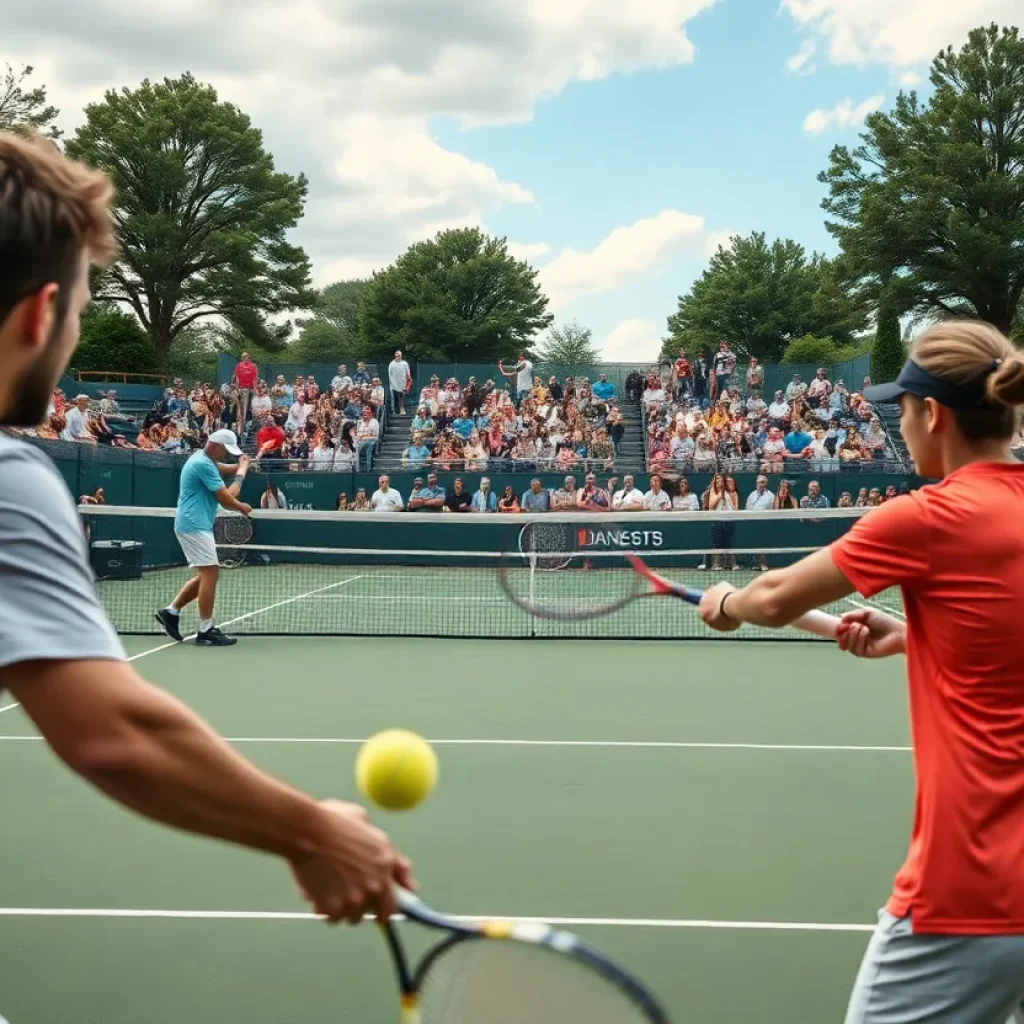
[{"x": 226, "y": 438}]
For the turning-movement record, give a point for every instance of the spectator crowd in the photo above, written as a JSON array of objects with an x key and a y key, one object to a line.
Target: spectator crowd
[{"x": 703, "y": 416}]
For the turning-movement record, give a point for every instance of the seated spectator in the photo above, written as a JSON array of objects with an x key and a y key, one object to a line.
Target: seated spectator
[
  {"x": 814, "y": 499},
  {"x": 654, "y": 392},
  {"x": 862, "y": 498},
  {"x": 360, "y": 503},
  {"x": 96, "y": 498},
  {"x": 76, "y": 422},
  {"x": 890, "y": 492},
  {"x": 416, "y": 454},
  {"x": 298, "y": 446},
  {"x": 592, "y": 498},
  {"x": 322, "y": 456},
  {"x": 270, "y": 438},
  {"x": 341, "y": 379},
  {"x": 261, "y": 405},
  {"x": 819, "y": 389},
  {"x": 756, "y": 406},
  {"x": 874, "y": 437},
  {"x": 272, "y": 498},
  {"x": 423, "y": 423},
  {"x": 298, "y": 414},
  {"x": 845, "y": 500},
  {"x": 484, "y": 500},
  {"x": 386, "y": 498},
  {"x": 656, "y": 499},
  {"x": 429, "y": 498},
  {"x": 361, "y": 375},
  {"x": 536, "y": 499},
  {"x": 367, "y": 434},
  {"x": 796, "y": 388},
  {"x": 564, "y": 498},
  {"x": 474, "y": 453},
  {"x": 508, "y": 502},
  {"x": 681, "y": 448},
  {"x": 684, "y": 499},
  {"x": 774, "y": 451},
  {"x": 784, "y": 497},
  {"x": 463, "y": 424},
  {"x": 798, "y": 442},
  {"x": 343, "y": 503},
  {"x": 704, "y": 452},
  {"x": 761, "y": 498},
  {"x": 755, "y": 376},
  {"x": 457, "y": 499},
  {"x": 778, "y": 412},
  {"x": 852, "y": 448},
  {"x": 345, "y": 460},
  {"x": 629, "y": 499}
]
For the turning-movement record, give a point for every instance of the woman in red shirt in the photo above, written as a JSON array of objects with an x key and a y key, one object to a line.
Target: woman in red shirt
[{"x": 950, "y": 941}]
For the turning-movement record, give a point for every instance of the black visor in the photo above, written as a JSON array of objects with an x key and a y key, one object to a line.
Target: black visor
[{"x": 915, "y": 380}]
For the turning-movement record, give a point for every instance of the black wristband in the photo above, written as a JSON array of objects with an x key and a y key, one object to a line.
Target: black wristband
[{"x": 721, "y": 608}]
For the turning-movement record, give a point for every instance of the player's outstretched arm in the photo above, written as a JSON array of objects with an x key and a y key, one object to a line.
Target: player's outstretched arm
[{"x": 149, "y": 752}]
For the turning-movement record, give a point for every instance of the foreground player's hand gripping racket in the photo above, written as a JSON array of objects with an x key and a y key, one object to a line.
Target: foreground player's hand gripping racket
[
  {"x": 506, "y": 972},
  {"x": 643, "y": 583}
]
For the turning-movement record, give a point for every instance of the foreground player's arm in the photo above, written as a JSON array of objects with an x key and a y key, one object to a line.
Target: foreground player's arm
[{"x": 888, "y": 547}]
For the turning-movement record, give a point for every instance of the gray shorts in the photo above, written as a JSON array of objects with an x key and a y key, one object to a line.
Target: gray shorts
[
  {"x": 199, "y": 548},
  {"x": 933, "y": 979}
]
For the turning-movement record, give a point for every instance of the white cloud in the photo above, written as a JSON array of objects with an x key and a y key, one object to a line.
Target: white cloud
[
  {"x": 528, "y": 252},
  {"x": 715, "y": 240},
  {"x": 799, "y": 63},
  {"x": 909, "y": 79},
  {"x": 842, "y": 115},
  {"x": 344, "y": 90},
  {"x": 901, "y": 34},
  {"x": 619, "y": 257},
  {"x": 632, "y": 341}
]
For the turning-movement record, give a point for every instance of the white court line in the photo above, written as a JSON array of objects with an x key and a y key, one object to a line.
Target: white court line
[
  {"x": 871, "y": 606},
  {"x": 249, "y": 615},
  {"x": 560, "y": 922},
  {"x": 624, "y": 744},
  {"x": 9, "y": 707}
]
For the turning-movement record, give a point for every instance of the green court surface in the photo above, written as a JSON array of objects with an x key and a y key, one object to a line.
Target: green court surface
[{"x": 724, "y": 817}]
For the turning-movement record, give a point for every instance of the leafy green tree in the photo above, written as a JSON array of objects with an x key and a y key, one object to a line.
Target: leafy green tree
[
  {"x": 888, "y": 353},
  {"x": 112, "y": 339},
  {"x": 202, "y": 215},
  {"x": 935, "y": 192},
  {"x": 23, "y": 109},
  {"x": 332, "y": 333},
  {"x": 569, "y": 344},
  {"x": 759, "y": 297},
  {"x": 457, "y": 296},
  {"x": 810, "y": 349}
]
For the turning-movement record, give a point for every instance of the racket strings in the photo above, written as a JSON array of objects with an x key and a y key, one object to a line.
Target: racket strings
[
  {"x": 583, "y": 591},
  {"x": 499, "y": 982}
]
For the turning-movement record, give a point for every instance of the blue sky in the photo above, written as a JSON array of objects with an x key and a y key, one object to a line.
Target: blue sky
[{"x": 615, "y": 144}]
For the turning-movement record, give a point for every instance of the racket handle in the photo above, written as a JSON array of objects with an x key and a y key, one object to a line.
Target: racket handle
[{"x": 819, "y": 623}]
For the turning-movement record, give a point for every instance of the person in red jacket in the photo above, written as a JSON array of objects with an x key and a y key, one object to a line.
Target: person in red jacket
[
  {"x": 269, "y": 439},
  {"x": 949, "y": 945},
  {"x": 245, "y": 376}
]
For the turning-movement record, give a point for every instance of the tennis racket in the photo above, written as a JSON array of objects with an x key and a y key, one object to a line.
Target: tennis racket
[
  {"x": 638, "y": 585},
  {"x": 506, "y": 972}
]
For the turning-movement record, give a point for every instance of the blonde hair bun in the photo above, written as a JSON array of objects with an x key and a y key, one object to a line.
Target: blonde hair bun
[{"x": 1005, "y": 384}]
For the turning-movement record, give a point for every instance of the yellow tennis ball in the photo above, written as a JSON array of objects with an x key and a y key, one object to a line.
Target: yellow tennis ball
[{"x": 396, "y": 769}]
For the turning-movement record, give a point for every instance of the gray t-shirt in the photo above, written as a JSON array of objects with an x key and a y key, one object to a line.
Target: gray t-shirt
[{"x": 48, "y": 603}]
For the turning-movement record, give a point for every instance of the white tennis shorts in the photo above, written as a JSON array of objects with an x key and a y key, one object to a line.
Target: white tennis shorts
[{"x": 200, "y": 549}]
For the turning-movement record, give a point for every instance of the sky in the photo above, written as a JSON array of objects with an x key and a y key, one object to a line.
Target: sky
[{"x": 614, "y": 144}]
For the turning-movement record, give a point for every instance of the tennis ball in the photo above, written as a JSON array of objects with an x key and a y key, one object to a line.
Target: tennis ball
[{"x": 396, "y": 769}]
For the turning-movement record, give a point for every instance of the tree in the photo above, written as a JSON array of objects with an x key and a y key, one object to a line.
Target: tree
[
  {"x": 457, "y": 296},
  {"x": 201, "y": 213},
  {"x": 22, "y": 110},
  {"x": 759, "y": 297},
  {"x": 810, "y": 349},
  {"x": 569, "y": 345},
  {"x": 935, "y": 192},
  {"x": 332, "y": 334},
  {"x": 112, "y": 339},
  {"x": 887, "y": 353}
]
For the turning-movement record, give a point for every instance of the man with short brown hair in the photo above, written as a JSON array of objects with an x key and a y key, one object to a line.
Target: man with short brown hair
[{"x": 59, "y": 656}]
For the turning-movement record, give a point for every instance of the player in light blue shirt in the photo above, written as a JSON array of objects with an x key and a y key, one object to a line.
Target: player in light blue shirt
[{"x": 200, "y": 490}]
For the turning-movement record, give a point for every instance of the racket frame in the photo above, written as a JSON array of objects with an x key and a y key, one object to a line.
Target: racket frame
[{"x": 532, "y": 933}]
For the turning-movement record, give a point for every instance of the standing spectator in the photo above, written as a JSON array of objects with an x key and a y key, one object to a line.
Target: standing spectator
[
  {"x": 819, "y": 390},
  {"x": 244, "y": 378},
  {"x": 684, "y": 376},
  {"x": 386, "y": 498},
  {"x": 795, "y": 389},
  {"x": 523, "y": 374},
  {"x": 592, "y": 498},
  {"x": 724, "y": 366},
  {"x": 630, "y": 498},
  {"x": 536, "y": 499},
  {"x": 755, "y": 376},
  {"x": 367, "y": 435},
  {"x": 760, "y": 498},
  {"x": 400, "y": 379},
  {"x": 361, "y": 374},
  {"x": 457, "y": 499},
  {"x": 272, "y": 498},
  {"x": 656, "y": 499},
  {"x": 76, "y": 422},
  {"x": 484, "y": 500}
]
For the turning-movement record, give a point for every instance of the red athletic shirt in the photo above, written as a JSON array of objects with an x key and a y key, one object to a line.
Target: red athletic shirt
[
  {"x": 956, "y": 549},
  {"x": 272, "y": 432},
  {"x": 246, "y": 374}
]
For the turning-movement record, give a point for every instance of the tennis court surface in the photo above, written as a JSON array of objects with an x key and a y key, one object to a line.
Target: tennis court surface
[{"x": 723, "y": 817}]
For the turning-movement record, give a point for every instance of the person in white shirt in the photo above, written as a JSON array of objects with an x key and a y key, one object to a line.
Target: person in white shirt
[
  {"x": 778, "y": 411},
  {"x": 629, "y": 499},
  {"x": 297, "y": 415},
  {"x": 399, "y": 376},
  {"x": 657, "y": 500},
  {"x": 341, "y": 379},
  {"x": 653, "y": 394},
  {"x": 795, "y": 388},
  {"x": 523, "y": 374},
  {"x": 76, "y": 422},
  {"x": 272, "y": 498},
  {"x": 367, "y": 435},
  {"x": 386, "y": 498},
  {"x": 261, "y": 402},
  {"x": 759, "y": 500},
  {"x": 685, "y": 500}
]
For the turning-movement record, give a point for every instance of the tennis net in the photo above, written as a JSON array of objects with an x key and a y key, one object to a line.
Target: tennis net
[{"x": 411, "y": 574}]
